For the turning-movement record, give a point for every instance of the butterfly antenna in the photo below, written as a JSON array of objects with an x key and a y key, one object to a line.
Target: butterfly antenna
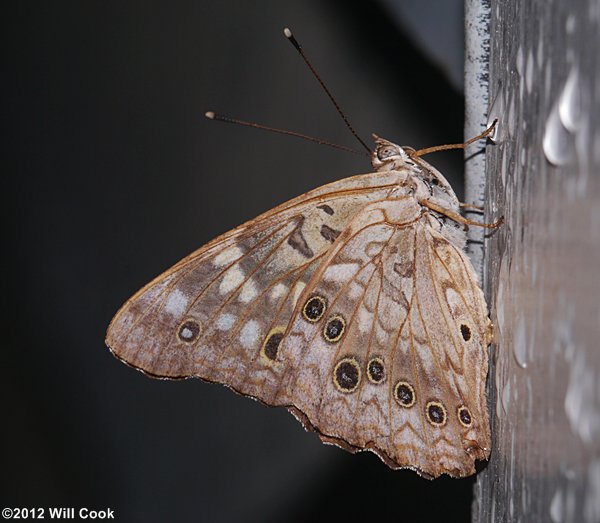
[
  {"x": 288, "y": 34},
  {"x": 211, "y": 115}
]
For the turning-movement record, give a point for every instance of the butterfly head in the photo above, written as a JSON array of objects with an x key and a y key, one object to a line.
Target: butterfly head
[
  {"x": 428, "y": 181},
  {"x": 387, "y": 156}
]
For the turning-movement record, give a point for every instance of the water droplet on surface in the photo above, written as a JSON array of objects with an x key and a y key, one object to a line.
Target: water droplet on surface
[
  {"x": 503, "y": 282},
  {"x": 556, "y": 507},
  {"x": 519, "y": 61},
  {"x": 506, "y": 396},
  {"x": 495, "y": 113},
  {"x": 580, "y": 400},
  {"x": 520, "y": 344},
  {"x": 569, "y": 104},
  {"x": 529, "y": 71},
  {"x": 510, "y": 116},
  {"x": 591, "y": 507},
  {"x": 570, "y": 24},
  {"x": 558, "y": 144}
]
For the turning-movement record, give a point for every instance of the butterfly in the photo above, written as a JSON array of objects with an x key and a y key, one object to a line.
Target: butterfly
[{"x": 354, "y": 306}]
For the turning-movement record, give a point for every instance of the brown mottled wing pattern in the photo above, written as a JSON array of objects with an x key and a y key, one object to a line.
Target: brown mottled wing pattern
[
  {"x": 220, "y": 313},
  {"x": 387, "y": 350}
]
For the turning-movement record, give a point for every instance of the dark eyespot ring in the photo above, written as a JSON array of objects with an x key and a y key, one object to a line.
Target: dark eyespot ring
[
  {"x": 405, "y": 394},
  {"x": 270, "y": 346},
  {"x": 465, "y": 331},
  {"x": 464, "y": 416},
  {"x": 346, "y": 375},
  {"x": 376, "y": 371},
  {"x": 334, "y": 329},
  {"x": 314, "y": 308},
  {"x": 436, "y": 413},
  {"x": 189, "y": 331}
]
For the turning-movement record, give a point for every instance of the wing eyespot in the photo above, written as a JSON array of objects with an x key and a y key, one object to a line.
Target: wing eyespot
[
  {"x": 464, "y": 416},
  {"x": 334, "y": 329},
  {"x": 436, "y": 414},
  {"x": 465, "y": 331},
  {"x": 347, "y": 375},
  {"x": 189, "y": 331},
  {"x": 404, "y": 394},
  {"x": 314, "y": 308},
  {"x": 271, "y": 344},
  {"x": 376, "y": 371}
]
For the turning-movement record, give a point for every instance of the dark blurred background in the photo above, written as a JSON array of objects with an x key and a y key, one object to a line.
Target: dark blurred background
[{"x": 114, "y": 174}]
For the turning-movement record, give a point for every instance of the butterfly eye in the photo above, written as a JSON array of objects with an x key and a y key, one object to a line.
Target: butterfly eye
[
  {"x": 464, "y": 416},
  {"x": 436, "y": 413},
  {"x": 465, "y": 331},
  {"x": 334, "y": 329},
  {"x": 405, "y": 394},
  {"x": 314, "y": 309},
  {"x": 387, "y": 151},
  {"x": 346, "y": 375},
  {"x": 376, "y": 371},
  {"x": 189, "y": 331}
]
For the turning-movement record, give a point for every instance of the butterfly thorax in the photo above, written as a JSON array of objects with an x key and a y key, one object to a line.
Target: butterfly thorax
[{"x": 422, "y": 181}]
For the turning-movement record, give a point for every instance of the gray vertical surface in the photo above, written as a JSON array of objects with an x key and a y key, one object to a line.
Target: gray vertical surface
[
  {"x": 477, "y": 50},
  {"x": 542, "y": 265}
]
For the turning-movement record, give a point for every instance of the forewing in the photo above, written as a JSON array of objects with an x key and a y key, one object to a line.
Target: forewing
[
  {"x": 212, "y": 314},
  {"x": 400, "y": 293}
]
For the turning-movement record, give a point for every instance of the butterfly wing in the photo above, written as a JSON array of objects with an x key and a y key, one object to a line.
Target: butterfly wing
[
  {"x": 212, "y": 314},
  {"x": 394, "y": 359}
]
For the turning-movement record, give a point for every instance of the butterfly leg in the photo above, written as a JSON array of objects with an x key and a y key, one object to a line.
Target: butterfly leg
[
  {"x": 458, "y": 218},
  {"x": 429, "y": 150},
  {"x": 471, "y": 207}
]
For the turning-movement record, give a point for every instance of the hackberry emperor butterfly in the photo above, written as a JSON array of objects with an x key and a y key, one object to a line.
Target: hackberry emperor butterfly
[{"x": 353, "y": 306}]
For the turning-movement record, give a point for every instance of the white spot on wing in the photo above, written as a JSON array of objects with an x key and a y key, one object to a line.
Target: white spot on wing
[
  {"x": 233, "y": 277},
  {"x": 298, "y": 290},
  {"x": 382, "y": 335},
  {"x": 355, "y": 291},
  {"x": 249, "y": 334},
  {"x": 248, "y": 292},
  {"x": 340, "y": 272},
  {"x": 225, "y": 321},
  {"x": 176, "y": 303},
  {"x": 365, "y": 320},
  {"x": 227, "y": 256},
  {"x": 453, "y": 299},
  {"x": 278, "y": 291}
]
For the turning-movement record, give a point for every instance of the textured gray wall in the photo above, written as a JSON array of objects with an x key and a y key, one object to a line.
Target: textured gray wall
[{"x": 542, "y": 266}]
